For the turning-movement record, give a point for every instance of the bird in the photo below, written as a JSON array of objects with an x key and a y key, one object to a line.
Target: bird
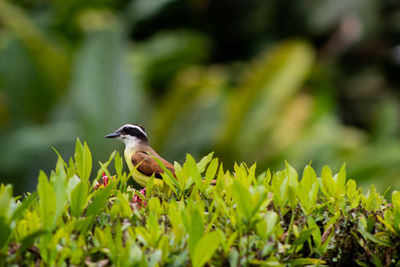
[{"x": 139, "y": 155}]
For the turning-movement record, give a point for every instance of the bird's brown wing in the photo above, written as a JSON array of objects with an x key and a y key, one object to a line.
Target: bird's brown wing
[{"x": 148, "y": 166}]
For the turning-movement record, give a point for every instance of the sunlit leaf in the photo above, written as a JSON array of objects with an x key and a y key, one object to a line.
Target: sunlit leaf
[
  {"x": 202, "y": 164},
  {"x": 83, "y": 160}
]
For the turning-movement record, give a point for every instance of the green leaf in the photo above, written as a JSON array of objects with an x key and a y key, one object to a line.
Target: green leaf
[
  {"x": 375, "y": 239},
  {"x": 154, "y": 206},
  {"x": 83, "y": 160},
  {"x": 98, "y": 201},
  {"x": 5, "y": 232},
  {"x": 304, "y": 235},
  {"x": 341, "y": 179},
  {"x": 306, "y": 261},
  {"x": 26, "y": 204},
  {"x": 196, "y": 231},
  {"x": 396, "y": 200},
  {"x": 5, "y": 200},
  {"x": 266, "y": 225},
  {"x": 123, "y": 206},
  {"x": 228, "y": 242},
  {"x": 72, "y": 183},
  {"x": 71, "y": 168},
  {"x": 168, "y": 177},
  {"x": 308, "y": 189},
  {"x": 316, "y": 234},
  {"x": 372, "y": 200},
  {"x": 352, "y": 193},
  {"x": 204, "y": 161},
  {"x": 118, "y": 164},
  {"x": 291, "y": 196},
  {"x": 150, "y": 185},
  {"x": 328, "y": 183},
  {"x": 309, "y": 178},
  {"x": 28, "y": 241},
  {"x": 291, "y": 173},
  {"x": 194, "y": 170},
  {"x": 59, "y": 183},
  {"x": 47, "y": 201},
  {"x": 205, "y": 248},
  {"x": 78, "y": 198},
  {"x": 169, "y": 181},
  {"x": 243, "y": 199},
  {"x": 241, "y": 174},
  {"x": 211, "y": 171}
]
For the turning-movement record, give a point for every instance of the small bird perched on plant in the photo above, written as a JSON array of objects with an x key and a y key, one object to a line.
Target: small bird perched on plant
[{"x": 139, "y": 155}]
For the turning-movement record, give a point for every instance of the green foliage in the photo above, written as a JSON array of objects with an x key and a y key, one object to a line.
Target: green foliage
[{"x": 245, "y": 219}]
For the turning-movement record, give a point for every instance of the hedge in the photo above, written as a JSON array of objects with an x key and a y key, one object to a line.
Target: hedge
[{"x": 269, "y": 219}]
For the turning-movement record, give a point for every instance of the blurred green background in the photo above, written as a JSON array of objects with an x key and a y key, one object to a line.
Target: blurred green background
[{"x": 254, "y": 80}]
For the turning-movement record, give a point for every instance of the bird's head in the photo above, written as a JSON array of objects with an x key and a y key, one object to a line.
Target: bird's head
[{"x": 130, "y": 134}]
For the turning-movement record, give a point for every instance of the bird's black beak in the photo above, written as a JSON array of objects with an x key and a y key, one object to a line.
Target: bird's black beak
[{"x": 112, "y": 135}]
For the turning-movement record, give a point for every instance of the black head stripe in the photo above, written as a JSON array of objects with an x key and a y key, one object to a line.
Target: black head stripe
[
  {"x": 140, "y": 126},
  {"x": 133, "y": 130}
]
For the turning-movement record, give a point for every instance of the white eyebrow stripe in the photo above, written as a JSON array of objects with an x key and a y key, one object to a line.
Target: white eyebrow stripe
[{"x": 134, "y": 126}]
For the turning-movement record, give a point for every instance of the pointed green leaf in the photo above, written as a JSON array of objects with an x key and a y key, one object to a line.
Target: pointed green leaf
[
  {"x": 374, "y": 238},
  {"x": 291, "y": 173},
  {"x": 328, "y": 183},
  {"x": 291, "y": 196},
  {"x": 205, "y": 248},
  {"x": 5, "y": 200},
  {"x": 316, "y": 234},
  {"x": 83, "y": 160},
  {"x": 243, "y": 199},
  {"x": 352, "y": 193},
  {"x": 118, "y": 164},
  {"x": 154, "y": 206},
  {"x": 72, "y": 183},
  {"x": 211, "y": 171},
  {"x": 193, "y": 170},
  {"x": 71, "y": 168},
  {"x": 98, "y": 201},
  {"x": 25, "y": 205},
  {"x": 168, "y": 177},
  {"x": 341, "y": 178},
  {"x": 47, "y": 201},
  {"x": 204, "y": 161},
  {"x": 196, "y": 231},
  {"x": 78, "y": 198},
  {"x": 372, "y": 200},
  {"x": 59, "y": 183},
  {"x": 150, "y": 185},
  {"x": 309, "y": 178}
]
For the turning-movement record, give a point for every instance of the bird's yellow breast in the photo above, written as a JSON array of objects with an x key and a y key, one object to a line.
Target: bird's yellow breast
[{"x": 139, "y": 177}]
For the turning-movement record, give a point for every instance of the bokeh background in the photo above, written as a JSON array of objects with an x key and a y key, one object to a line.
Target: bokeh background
[{"x": 253, "y": 80}]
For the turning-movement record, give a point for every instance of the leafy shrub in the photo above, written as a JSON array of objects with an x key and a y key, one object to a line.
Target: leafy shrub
[{"x": 245, "y": 219}]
